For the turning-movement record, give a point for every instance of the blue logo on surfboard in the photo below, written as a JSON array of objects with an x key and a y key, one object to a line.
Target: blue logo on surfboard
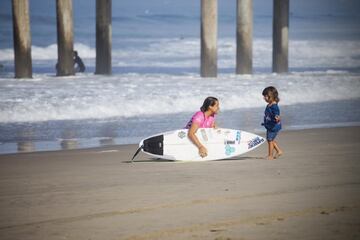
[
  {"x": 229, "y": 150},
  {"x": 254, "y": 142},
  {"x": 238, "y": 137}
]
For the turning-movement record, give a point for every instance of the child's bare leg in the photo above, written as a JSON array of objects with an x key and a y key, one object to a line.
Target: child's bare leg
[
  {"x": 270, "y": 150},
  {"x": 278, "y": 150}
]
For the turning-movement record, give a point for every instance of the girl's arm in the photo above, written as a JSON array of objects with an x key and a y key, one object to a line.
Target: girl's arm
[
  {"x": 276, "y": 111},
  {"x": 191, "y": 134}
]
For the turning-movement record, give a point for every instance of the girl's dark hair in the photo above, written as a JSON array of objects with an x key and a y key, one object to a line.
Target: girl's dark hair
[
  {"x": 272, "y": 93},
  {"x": 209, "y": 101}
]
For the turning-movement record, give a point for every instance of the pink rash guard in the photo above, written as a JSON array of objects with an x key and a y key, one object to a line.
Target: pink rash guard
[{"x": 202, "y": 121}]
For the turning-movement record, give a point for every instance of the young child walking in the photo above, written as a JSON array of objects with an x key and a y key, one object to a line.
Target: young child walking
[{"x": 272, "y": 121}]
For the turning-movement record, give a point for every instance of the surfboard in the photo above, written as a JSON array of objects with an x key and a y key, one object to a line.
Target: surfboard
[{"x": 221, "y": 143}]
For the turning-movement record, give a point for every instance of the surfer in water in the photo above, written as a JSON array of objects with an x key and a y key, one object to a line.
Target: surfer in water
[
  {"x": 205, "y": 118},
  {"x": 272, "y": 121},
  {"x": 79, "y": 65}
]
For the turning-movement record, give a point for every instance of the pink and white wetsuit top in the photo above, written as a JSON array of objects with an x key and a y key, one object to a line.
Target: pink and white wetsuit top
[{"x": 201, "y": 120}]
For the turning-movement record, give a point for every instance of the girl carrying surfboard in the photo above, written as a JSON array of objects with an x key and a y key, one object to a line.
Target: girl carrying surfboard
[{"x": 205, "y": 118}]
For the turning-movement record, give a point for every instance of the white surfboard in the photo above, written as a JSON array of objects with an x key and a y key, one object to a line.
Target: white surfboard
[{"x": 221, "y": 143}]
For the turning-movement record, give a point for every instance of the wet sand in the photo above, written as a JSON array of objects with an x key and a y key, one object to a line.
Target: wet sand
[{"x": 311, "y": 192}]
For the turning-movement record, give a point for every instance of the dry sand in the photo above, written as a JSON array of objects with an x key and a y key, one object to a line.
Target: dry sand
[{"x": 312, "y": 192}]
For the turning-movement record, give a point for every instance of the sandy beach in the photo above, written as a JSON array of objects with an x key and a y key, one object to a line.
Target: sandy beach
[{"x": 312, "y": 192}]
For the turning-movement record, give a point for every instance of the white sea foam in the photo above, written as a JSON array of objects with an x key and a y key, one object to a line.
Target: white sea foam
[
  {"x": 185, "y": 53},
  {"x": 85, "y": 96},
  {"x": 47, "y": 53},
  {"x": 128, "y": 95}
]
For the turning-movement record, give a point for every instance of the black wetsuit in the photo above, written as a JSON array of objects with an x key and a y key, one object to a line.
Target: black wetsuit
[{"x": 79, "y": 65}]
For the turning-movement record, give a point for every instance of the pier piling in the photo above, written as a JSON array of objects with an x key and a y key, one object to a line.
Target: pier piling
[
  {"x": 103, "y": 37},
  {"x": 244, "y": 32},
  {"x": 280, "y": 36},
  {"x": 209, "y": 38},
  {"x": 64, "y": 16},
  {"x": 22, "y": 39}
]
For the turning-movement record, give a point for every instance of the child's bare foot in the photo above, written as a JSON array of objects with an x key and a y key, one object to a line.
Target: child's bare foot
[
  {"x": 269, "y": 158},
  {"x": 278, "y": 154}
]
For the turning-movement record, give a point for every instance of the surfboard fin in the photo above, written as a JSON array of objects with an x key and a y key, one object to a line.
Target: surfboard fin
[{"x": 137, "y": 152}]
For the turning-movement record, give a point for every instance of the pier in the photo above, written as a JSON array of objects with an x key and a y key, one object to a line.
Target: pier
[{"x": 208, "y": 37}]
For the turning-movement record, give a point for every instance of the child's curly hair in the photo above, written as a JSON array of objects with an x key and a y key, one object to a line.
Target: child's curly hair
[{"x": 272, "y": 93}]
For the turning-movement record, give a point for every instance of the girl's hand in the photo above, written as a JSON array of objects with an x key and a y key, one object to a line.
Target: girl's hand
[
  {"x": 277, "y": 118},
  {"x": 191, "y": 134},
  {"x": 202, "y": 151}
]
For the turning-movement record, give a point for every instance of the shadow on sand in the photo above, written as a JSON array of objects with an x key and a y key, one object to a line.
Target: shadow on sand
[{"x": 220, "y": 160}]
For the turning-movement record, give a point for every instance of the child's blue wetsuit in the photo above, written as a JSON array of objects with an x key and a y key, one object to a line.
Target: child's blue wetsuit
[{"x": 270, "y": 123}]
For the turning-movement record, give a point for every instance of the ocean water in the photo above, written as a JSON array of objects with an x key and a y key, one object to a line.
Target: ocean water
[{"x": 155, "y": 85}]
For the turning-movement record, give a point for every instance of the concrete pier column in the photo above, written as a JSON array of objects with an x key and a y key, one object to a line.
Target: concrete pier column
[
  {"x": 209, "y": 38},
  {"x": 281, "y": 36},
  {"x": 244, "y": 32},
  {"x": 103, "y": 37},
  {"x": 22, "y": 38},
  {"x": 64, "y": 16}
]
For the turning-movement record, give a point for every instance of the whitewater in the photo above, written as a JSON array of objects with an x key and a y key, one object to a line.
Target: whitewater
[{"x": 169, "y": 83}]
